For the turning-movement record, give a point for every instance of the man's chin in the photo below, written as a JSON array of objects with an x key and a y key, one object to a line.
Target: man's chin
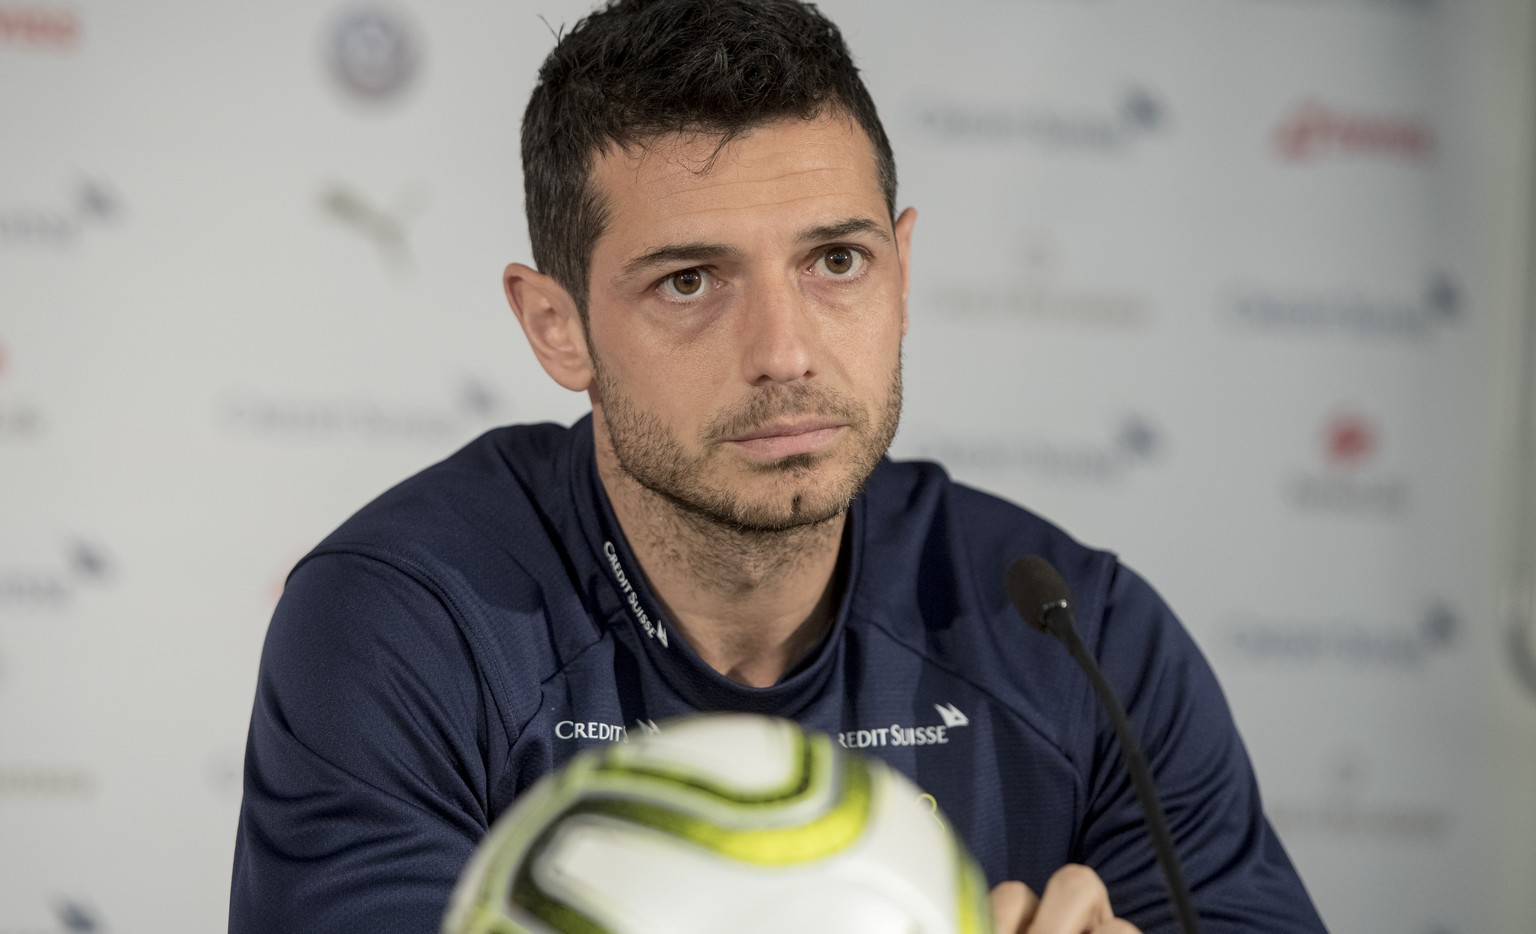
[
  {"x": 796, "y": 464},
  {"x": 767, "y": 513}
]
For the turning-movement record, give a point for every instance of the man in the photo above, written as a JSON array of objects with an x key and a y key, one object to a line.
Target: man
[{"x": 711, "y": 202}]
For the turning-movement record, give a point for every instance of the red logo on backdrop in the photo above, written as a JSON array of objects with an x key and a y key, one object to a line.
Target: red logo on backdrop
[
  {"x": 1352, "y": 482},
  {"x": 39, "y": 26},
  {"x": 1313, "y": 130},
  {"x": 1349, "y": 440}
]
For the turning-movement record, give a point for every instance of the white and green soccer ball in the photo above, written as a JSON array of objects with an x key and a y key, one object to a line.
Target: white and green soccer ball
[{"x": 721, "y": 823}]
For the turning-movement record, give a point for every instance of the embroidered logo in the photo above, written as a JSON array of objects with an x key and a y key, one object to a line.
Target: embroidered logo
[
  {"x": 898, "y": 734},
  {"x": 602, "y": 731},
  {"x": 653, "y": 629},
  {"x": 952, "y": 715}
]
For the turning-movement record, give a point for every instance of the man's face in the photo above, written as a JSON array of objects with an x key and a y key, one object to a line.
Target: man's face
[{"x": 745, "y": 319}]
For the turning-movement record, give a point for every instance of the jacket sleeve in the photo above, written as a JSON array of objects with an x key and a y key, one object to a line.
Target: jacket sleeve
[
  {"x": 1240, "y": 876},
  {"x": 367, "y": 764}
]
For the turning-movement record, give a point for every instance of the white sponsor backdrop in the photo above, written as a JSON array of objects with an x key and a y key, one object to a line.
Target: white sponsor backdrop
[{"x": 1233, "y": 287}]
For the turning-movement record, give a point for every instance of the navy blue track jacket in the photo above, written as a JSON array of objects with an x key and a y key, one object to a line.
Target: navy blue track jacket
[{"x": 479, "y": 624}]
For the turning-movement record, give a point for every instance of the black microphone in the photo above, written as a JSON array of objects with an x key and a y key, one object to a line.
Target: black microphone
[{"x": 1042, "y": 598}]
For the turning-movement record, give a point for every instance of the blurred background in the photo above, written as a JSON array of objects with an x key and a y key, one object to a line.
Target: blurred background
[{"x": 1236, "y": 288}]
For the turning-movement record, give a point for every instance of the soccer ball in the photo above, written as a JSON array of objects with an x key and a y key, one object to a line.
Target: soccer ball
[{"x": 721, "y": 822}]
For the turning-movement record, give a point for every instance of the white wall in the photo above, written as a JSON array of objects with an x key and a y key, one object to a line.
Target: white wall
[{"x": 1234, "y": 287}]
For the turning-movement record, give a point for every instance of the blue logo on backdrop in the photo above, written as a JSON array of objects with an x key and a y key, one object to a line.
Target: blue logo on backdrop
[
  {"x": 69, "y": 916},
  {"x": 1353, "y": 643},
  {"x": 1134, "y": 442},
  {"x": 52, "y": 587},
  {"x": 76, "y": 916},
  {"x": 92, "y": 204},
  {"x": 1406, "y": 318},
  {"x": 470, "y": 405},
  {"x": 1136, "y": 115},
  {"x": 1520, "y": 643},
  {"x": 374, "y": 53}
]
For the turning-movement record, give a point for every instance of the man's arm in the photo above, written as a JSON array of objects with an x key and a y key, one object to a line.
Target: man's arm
[
  {"x": 1238, "y": 872},
  {"x": 366, "y": 777}
]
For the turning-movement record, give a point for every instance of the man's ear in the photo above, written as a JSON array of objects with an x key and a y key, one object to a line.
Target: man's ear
[
  {"x": 904, "y": 225},
  {"x": 553, "y": 325}
]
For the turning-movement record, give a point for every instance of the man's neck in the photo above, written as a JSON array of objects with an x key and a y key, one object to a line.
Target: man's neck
[{"x": 750, "y": 603}]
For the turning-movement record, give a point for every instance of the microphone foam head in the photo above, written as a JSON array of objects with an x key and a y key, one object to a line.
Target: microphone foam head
[{"x": 1035, "y": 586}]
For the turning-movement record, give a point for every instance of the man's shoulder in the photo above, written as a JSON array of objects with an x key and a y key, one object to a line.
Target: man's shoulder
[
  {"x": 489, "y": 527},
  {"x": 471, "y": 552},
  {"x": 919, "y": 503},
  {"x": 945, "y": 548}
]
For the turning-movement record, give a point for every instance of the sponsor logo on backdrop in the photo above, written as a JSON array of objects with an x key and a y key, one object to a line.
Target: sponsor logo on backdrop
[
  {"x": 1350, "y": 480},
  {"x": 374, "y": 52},
  {"x": 1038, "y": 295},
  {"x": 33, "y": 26},
  {"x": 60, "y": 223},
  {"x": 1128, "y": 445},
  {"x": 1520, "y": 644},
  {"x": 1113, "y": 127},
  {"x": 19, "y": 419},
  {"x": 224, "y": 769},
  {"x": 362, "y": 418},
  {"x": 384, "y": 227},
  {"x": 54, "y": 583},
  {"x": 1382, "y": 645},
  {"x": 1313, "y": 131},
  {"x": 1403, "y": 6},
  {"x": 67, "y": 915},
  {"x": 1349, "y": 805},
  {"x": 31, "y": 780},
  {"x": 1409, "y": 317}
]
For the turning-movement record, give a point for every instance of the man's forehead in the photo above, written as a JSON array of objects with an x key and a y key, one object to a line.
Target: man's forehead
[{"x": 697, "y": 172}]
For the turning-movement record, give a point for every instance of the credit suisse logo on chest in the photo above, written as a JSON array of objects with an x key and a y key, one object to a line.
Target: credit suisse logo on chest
[
  {"x": 894, "y": 734},
  {"x": 900, "y": 734}
]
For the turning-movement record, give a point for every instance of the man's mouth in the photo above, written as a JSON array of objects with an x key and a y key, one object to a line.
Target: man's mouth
[{"x": 786, "y": 437}]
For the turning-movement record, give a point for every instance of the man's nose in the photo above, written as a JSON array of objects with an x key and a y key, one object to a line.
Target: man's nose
[{"x": 780, "y": 331}]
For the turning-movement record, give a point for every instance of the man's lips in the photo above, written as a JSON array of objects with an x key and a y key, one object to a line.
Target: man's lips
[
  {"x": 788, "y": 427},
  {"x": 790, "y": 436}
]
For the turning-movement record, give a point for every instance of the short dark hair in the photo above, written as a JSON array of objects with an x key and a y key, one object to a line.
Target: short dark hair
[{"x": 636, "y": 70}]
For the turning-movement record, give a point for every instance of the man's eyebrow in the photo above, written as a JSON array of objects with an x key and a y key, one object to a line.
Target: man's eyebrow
[
  {"x": 700, "y": 252},
  {"x": 674, "y": 253},
  {"x": 842, "y": 229}
]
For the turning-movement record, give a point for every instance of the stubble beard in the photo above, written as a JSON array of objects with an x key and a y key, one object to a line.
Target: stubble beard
[{"x": 798, "y": 491}]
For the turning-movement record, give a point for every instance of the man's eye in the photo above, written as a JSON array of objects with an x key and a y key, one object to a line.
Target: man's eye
[
  {"x": 840, "y": 261},
  {"x": 684, "y": 283}
]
